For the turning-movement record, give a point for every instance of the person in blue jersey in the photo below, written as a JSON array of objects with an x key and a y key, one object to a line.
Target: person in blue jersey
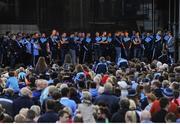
[
  {"x": 101, "y": 67},
  {"x": 29, "y": 51},
  {"x": 118, "y": 45},
  {"x": 157, "y": 45},
  {"x": 148, "y": 40},
  {"x": 36, "y": 48},
  {"x": 64, "y": 47},
  {"x": 123, "y": 52},
  {"x": 78, "y": 42},
  {"x": 23, "y": 42},
  {"x": 72, "y": 48},
  {"x": 110, "y": 50},
  {"x": 127, "y": 44},
  {"x": 81, "y": 55},
  {"x": 14, "y": 51},
  {"x": 87, "y": 48},
  {"x": 5, "y": 49},
  {"x": 170, "y": 46},
  {"x": 96, "y": 46},
  {"x": 103, "y": 44},
  {"x": 137, "y": 45},
  {"x": 133, "y": 35},
  {"x": 12, "y": 82},
  {"x": 53, "y": 44},
  {"x": 165, "y": 37},
  {"x": 43, "y": 44}
]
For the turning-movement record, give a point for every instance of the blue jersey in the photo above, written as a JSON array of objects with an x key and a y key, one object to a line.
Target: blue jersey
[{"x": 109, "y": 39}]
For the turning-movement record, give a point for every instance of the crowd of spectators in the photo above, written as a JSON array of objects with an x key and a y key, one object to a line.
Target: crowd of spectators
[{"x": 132, "y": 91}]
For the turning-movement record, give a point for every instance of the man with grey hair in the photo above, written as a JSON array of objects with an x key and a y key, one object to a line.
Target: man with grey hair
[{"x": 108, "y": 98}]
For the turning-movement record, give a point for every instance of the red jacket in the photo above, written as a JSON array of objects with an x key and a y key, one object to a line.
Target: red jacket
[{"x": 156, "y": 107}]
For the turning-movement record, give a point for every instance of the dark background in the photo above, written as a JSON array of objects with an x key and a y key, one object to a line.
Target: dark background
[{"x": 97, "y": 15}]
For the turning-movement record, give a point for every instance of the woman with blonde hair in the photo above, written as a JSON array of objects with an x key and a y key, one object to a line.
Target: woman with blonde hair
[
  {"x": 37, "y": 111},
  {"x": 132, "y": 115},
  {"x": 41, "y": 66}
]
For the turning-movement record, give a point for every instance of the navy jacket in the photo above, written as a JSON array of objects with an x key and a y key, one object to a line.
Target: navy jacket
[
  {"x": 110, "y": 100},
  {"x": 101, "y": 68},
  {"x": 22, "y": 102},
  {"x": 48, "y": 117}
]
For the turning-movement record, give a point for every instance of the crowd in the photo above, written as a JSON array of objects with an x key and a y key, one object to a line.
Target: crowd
[{"x": 89, "y": 85}]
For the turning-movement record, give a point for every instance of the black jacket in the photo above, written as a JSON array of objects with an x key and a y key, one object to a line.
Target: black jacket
[
  {"x": 119, "y": 117},
  {"x": 159, "y": 117}
]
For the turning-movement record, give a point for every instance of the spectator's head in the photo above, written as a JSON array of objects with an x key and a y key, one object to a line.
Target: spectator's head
[
  {"x": 23, "y": 111},
  {"x": 21, "y": 69},
  {"x": 132, "y": 93},
  {"x": 9, "y": 92},
  {"x": 63, "y": 116},
  {"x": 130, "y": 117},
  {"x": 19, "y": 118},
  {"x": 11, "y": 73},
  {"x": 108, "y": 88},
  {"x": 102, "y": 59},
  {"x": 170, "y": 118},
  {"x": 36, "y": 109},
  {"x": 165, "y": 84},
  {"x": 69, "y": 110},
  {"x": 31, "y": 115},
  {"x": 119, "y": 73},
  {"x": 65, "y": 92},
  {"x": 153, "y": 66},
  {"x": 80, "y": 80},
  {"x": 151, "y": 97},
  {"x": 175, "y": 86},
  {"x": 50, "y": 105},
  {"x": 7, "y": 119},
  {"x": 56, "y": 95},
  {"x": 78, "y": 118},
  {"x": 41, "y": 84},
  {"x": 79, "y": 68},
  {"x": 26, "y": 92},
  {"x": 92, "y": 85},
  {"x": 41, "y": 66},
  {"x": 103, "y": 113},
  {"x": 145, "y": 116},
  {"x": 132, "y": 105},
  {"x": 168, "y": 93},
  {"x": 164, "y": 103},
  {"x": 60, "y": 86},
  {"x": 86, "y": 96},
  {"x": 155, "y": 84},
  {"x": 52, "y": 89},
  {"x": 97, "y": 79},
  {"x": 124, "y": 103}
]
